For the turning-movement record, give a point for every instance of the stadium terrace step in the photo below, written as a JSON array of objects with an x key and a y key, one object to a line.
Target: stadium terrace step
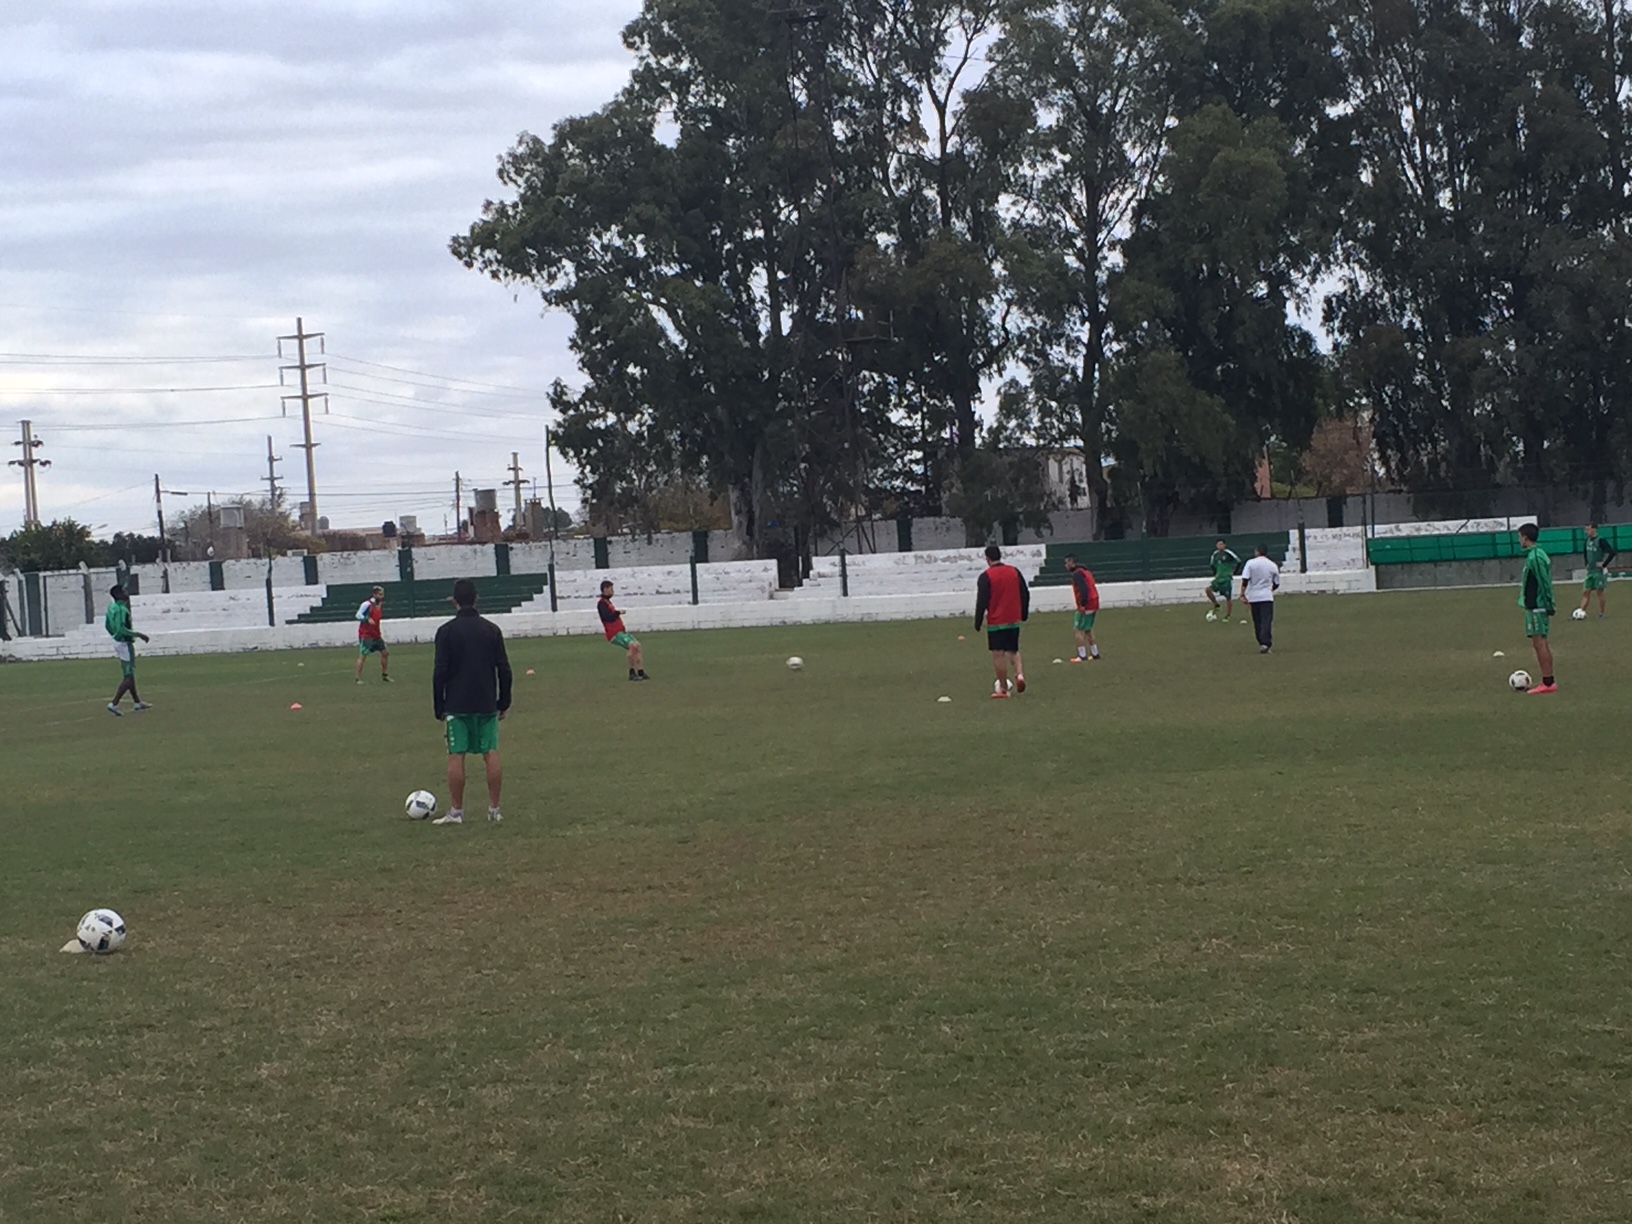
[
  {"x": 424, "y": 597},
  {"x": 1155, "y": 559},
  {"x": 193, "y": 610}
]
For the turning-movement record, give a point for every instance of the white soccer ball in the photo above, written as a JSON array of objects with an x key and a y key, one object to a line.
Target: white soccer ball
[
  {"x": 101, "y": 931},
  {"x": 1579, "y": 614},
  {"x": 1212, "y": 616},
  {"x": 795, "y": 663},
  {"x": 421, "y": 805},
  {"x": 1519, "y": 681}
]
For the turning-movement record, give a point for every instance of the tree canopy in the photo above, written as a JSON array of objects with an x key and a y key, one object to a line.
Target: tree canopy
[{"x": 809, "y": 246}]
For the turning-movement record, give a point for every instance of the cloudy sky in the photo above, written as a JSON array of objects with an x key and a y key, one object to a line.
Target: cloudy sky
[{"x": 179, "y": 181}]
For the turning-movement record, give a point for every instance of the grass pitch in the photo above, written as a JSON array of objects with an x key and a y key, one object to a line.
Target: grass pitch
[{"x": 1336, "y": 935}]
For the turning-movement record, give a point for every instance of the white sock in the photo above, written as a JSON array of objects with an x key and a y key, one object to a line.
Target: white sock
[
  {"x": 1082, "y": 652},
  {"x": 1096, "y": 652}
]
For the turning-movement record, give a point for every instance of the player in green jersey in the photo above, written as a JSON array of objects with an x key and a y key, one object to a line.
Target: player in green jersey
[
  {"x": 1598, "y": 553},
  {"x": 1224, "y": 563},
  {"x": 1536, "y": 598},
  {"x": 117, "y": 623}
]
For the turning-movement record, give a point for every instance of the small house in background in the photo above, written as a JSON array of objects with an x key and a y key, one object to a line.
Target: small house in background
[{"x": 1067, "y": 473}]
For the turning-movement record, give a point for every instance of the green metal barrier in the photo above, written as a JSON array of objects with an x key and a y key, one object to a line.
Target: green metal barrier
[{"x": 1559, "y": 542}]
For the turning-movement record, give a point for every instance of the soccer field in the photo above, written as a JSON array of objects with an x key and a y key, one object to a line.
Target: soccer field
[{"x": 1339, "y": 934}]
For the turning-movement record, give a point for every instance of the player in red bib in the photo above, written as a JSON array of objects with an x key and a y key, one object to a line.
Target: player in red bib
[
  {"x": 369, "y": 639},
  {"x": 612, "y": 626},
  {"x": 1087, "y": 597},
  {"x": 1002, "y": 601}
]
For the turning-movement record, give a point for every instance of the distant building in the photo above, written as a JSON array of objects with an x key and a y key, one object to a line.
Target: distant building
[{"x": 1067, "y": 474}]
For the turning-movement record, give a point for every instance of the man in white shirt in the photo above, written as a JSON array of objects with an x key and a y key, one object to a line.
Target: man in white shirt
[{"x": 1260, "y": 579}]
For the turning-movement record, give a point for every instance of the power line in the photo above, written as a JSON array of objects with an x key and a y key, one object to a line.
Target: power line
[
  {"x": 138, "y": 314},
  {"x": 442, "y": 377},
  {"x": 110, "y": 391},
  {"x": 80, "y": 359},
  {"x": 392, "y": 399},
  {"x": 405, "y": 429},
  {"x": 145, "y": 425}
]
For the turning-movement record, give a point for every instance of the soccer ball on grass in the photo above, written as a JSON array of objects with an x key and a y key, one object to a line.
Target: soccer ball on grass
[
  {"x": 1519, "y": 681},
  {"x": 795, "y": 663},
  {"x": 101, "y": 931},
  {"x": 1579, "y": 614},
  {"x": 421, "y": 805},
  {"x": 1212, "y": 616}
]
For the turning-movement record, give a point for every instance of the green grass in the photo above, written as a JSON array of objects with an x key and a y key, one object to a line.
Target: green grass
[{"x": 1338, "y": 935}]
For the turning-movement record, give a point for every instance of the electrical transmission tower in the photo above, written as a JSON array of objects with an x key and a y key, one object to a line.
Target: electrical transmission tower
[
  {"x": 274, "y": 491},
  {"x": 516, "y": 483},
  {"x": 29, "y": 461},
  {"x": 306, "y": 395}
]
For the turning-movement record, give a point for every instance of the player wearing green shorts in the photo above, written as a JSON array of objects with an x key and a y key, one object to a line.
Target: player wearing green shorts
[
  {"x": 470, "y": 692},
  {"x": 1224, "y": 563},
  {"x": 1536, "y": 598},
  {"x": 612, "y": 626},
  {"x": 369, "y": 638},
  {"x": 1085, "y": 598},
  {"x": 117, "y": 623},
  {"x": 1598, "y": 553}
]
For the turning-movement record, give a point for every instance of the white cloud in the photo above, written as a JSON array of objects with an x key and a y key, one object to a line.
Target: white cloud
[{"x": 184, "y": 179}]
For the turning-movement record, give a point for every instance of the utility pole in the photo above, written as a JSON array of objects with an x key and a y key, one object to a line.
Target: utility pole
[
  {"x": 164, "y": 544},
  {"x": 274, "y": 491},
  {"x": 164, "y": 540},
  {"x": 306, "y": 396},
  {"x": 549, "y": 487},
  {"x": 458, "y": 509},
  {"x": 29, "y": 461},
  {"x": 516, "y": 482}
]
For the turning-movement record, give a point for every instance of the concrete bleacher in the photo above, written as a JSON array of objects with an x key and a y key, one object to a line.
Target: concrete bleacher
[
  {"x": 881, "y": 586},
  {"x": 423, "y": 597},
  {"x": 193, "y": 611}
]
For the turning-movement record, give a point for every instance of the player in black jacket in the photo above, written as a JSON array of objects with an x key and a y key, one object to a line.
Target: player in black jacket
[{"x": 470, "y": 691}]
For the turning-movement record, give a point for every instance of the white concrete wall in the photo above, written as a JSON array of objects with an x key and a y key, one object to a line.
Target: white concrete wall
[
  {"x": 945, "y": 569},
  {"x": 664, "y": 548},
  {"x": 658, "y": 619},
  {"x": 1330, "y": 549},
  {"x": 1453, "y": 526},
  {"x": 184, "y": 576},
  {"x": 662, "y": 585},
  {"x": 286, "y": 572},
  {"x": 929, "y": 534},
  {"x": 187, "y": 611},
  {"x": 195, "y": 575},
  {"x": 448, "y": 561},
  {"x": 375, "y": 566}
]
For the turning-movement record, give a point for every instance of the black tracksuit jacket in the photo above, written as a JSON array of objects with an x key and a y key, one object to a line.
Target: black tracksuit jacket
[{"x": 472, "y": 672}]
